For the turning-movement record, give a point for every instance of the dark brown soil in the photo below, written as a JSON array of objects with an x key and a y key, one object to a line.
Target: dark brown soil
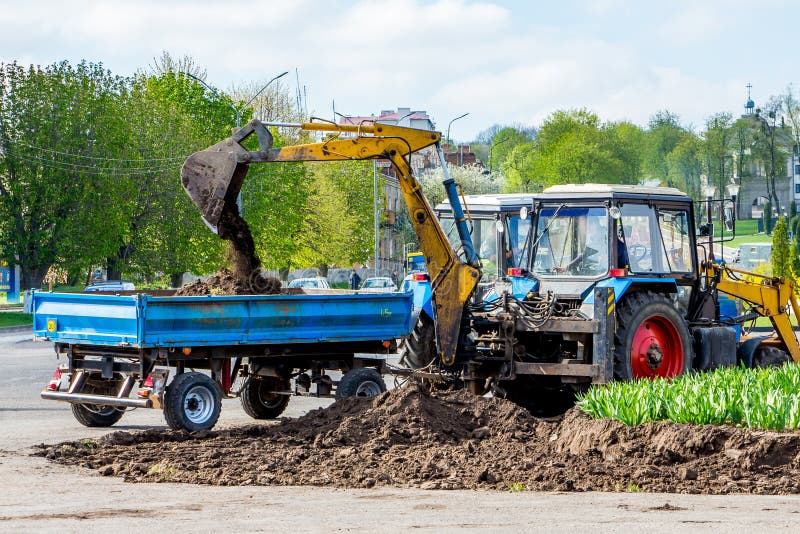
[
  {"x": 244, "y": 277},
  {"x": 410, "y": 437},
  {"x": 226, "y": 283}
]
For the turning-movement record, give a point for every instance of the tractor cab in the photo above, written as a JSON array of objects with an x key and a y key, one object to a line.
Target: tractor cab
[
  {"x": 589, "y": 234},
  {"x": 501, "y": 231}
]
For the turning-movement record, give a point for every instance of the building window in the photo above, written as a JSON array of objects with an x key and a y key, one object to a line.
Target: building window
[
  {"x": 797, "y": 189},
  {"x": 797, "y": 168}
]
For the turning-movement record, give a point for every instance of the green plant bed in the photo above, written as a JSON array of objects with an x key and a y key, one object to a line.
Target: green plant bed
[
  {"x": 755, "y": 398},
  {"x": 15, "y": 319}
]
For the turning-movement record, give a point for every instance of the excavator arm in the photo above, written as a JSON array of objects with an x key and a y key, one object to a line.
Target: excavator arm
[
  {"x": 772, "y": 296},
  {"x": 213, "y": 178}
]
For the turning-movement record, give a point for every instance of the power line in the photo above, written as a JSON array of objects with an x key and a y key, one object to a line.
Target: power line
[{"x": 98, "y": 158}]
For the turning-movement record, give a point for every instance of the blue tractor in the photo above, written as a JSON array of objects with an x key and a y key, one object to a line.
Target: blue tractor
[{"x": 590, "y": 283}]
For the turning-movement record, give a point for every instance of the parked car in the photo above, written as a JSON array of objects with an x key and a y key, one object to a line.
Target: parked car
[
  {"x": 111, "y": 285},
  {"x": 316, "y": 282},
  {"x": 378, "y": 284}
]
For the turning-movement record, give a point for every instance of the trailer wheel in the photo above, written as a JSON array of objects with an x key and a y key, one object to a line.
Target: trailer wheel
[
  {"x": 93, "y": 415},
  {"x": 770, "y": 357},
  {"x": 418, "y": 350},
  {"x": 652, "y": 339},
  {"x": 258, "y": 399},
  {"x": 364, "y": 382},
  {"x": 192, "y": 402}
]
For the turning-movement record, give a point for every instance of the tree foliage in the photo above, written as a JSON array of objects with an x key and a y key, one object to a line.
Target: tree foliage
[
  {"x": 574, "y": 147},
  {"x": 781, "y": 249},
  {"x": 59, "y": 126}
]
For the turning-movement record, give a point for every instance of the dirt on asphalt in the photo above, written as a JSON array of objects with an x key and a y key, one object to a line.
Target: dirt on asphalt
[
  {"x": 409, "y": 437},
  {"x": 245, "y": 276}
]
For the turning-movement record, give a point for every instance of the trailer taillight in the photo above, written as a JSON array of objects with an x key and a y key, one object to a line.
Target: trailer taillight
[
  {"x": 55, "y": 381},
  {"x": 146, "y": 389}
]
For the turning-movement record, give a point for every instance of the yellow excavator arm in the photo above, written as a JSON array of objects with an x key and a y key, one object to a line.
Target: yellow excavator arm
[
  {"x": 214, "y": 177},
  {"x": 771, "y": 295}
]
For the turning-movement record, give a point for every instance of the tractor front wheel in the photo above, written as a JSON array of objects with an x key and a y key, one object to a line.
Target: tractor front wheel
[{"x": 652, "y": 338}]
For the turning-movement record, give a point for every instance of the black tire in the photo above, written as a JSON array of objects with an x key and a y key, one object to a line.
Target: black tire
[
  {"x": 257, "y": 398},
  {"x": 99, "y": 416},
  {"x": 418, "y": 350},
  {"x": 193, "y": 402},
  {"x": 364, "y": 382},
  {"x": 770, "y": 357},
  {"x": 663, "y": 347}
]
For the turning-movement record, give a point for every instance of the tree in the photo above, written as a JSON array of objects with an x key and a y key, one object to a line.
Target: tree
[
  {"x": 663, "y": 134},
  {"x": 58, "y": 191},
  {"x": 169, "y": 116},
  {"x": 781, "y": 250},
  {"x": 470, "y": 177},
  {"x": 574, "y": 147},
  {"x": 769, "y": 147},
  {"x": 503, "y": 142},
  {"x": 717, "y": 147},
  {"x": 791, "y": 106},
  {"x": 685, "y": 165}
]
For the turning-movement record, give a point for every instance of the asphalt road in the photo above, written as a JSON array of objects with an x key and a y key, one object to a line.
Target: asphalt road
[{"x": 39, "y": 496}]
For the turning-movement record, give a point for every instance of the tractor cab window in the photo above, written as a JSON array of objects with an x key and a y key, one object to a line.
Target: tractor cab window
[
  {"x": 484, "y": 239},
  {"x": 676, "y": 240},
  {"x": 657, "y": 240},
  {"x": 572, "y": 241},
  {"x": 516, "y": 236}
]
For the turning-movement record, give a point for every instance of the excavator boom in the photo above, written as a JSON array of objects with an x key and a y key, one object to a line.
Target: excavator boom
[{"x": 213, "y": 178}]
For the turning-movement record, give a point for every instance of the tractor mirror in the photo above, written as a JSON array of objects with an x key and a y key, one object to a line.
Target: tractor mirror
[
  {"x": 499, "y": 225},
  {"x": 523, "y": 213},
  {"x": 728, "y": 217},
  {"x": 615, "y": 213}
]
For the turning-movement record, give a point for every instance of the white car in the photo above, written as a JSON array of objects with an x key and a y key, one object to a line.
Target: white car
[
  {"x": 379, "y": 284},
  {"x": 316, "y": 282}
]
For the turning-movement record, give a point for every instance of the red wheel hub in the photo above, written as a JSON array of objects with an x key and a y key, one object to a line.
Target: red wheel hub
[{"x": 657, "y": 349}]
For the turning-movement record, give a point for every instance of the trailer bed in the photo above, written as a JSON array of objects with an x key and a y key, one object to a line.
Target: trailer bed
[{"x": 144, "y": 321}]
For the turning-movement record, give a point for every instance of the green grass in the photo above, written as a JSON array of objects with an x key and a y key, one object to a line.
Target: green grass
[
  {"x": 15, "y": 319},
  {"x": 755, "y": 398}
]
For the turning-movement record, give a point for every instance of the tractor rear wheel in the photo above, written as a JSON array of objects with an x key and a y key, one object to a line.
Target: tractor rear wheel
[
  {"x": 652, "y": 339},
  {"x": 418, "y": 350}
]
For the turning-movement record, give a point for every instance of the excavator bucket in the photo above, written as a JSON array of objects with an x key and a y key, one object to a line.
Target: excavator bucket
[{"x": 213, "y": 178}]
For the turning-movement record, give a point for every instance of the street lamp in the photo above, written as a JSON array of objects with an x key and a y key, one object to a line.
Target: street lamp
[
  {"x": 236, "y": 111},
  {"x": 491, "y": 148},
  {"x": 450, "y": 124}
]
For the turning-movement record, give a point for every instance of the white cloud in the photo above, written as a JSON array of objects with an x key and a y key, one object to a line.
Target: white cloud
[{"x": 446, "y": 56}]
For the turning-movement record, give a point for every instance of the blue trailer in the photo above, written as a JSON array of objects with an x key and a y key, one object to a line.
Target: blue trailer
[{"x": 113, "y": 343}]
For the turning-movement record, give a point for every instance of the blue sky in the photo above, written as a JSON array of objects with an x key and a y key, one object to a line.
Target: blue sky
[{"x": 500, "y": 61}]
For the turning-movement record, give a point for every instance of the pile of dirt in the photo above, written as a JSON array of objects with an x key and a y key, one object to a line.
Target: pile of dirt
[
  {"x": 411, "y": 437},
  {"x": 244, "y": 277},
  {"x": 226, "y": 283}
]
